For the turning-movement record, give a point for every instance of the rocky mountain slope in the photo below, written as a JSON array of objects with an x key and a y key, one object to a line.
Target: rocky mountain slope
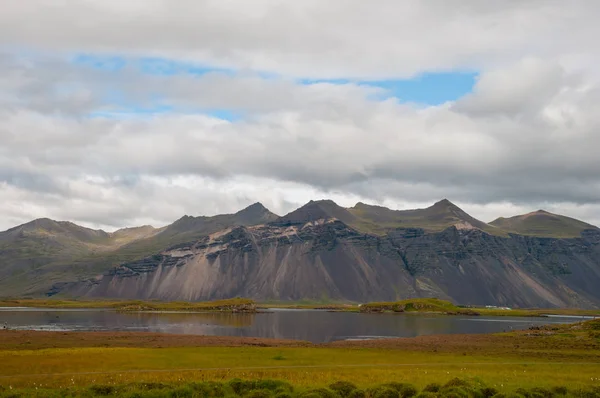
[
  {"x": 325, "y": 252},
  {"x": 315, "y": 252},
  {"x": 37, "y": 255}
]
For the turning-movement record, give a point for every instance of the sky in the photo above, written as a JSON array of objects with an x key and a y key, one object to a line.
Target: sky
[{"x": 122, "y": 113}]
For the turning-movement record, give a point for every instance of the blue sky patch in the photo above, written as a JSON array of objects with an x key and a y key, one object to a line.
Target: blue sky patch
[{"x": 429, "y": 88}]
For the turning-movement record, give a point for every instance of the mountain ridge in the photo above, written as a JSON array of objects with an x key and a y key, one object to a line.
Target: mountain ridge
[{"x": 325, "y": 249}]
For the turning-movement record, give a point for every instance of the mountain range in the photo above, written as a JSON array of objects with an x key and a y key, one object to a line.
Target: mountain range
[{"x": 320, "y": 251}]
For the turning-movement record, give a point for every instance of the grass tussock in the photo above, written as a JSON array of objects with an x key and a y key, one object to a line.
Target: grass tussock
[{"x": 238, "y": 388}]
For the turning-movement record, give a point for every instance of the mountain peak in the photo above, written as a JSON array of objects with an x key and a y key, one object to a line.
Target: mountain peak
[
  {"x": 254, "y": 214},
  {"x": 444, "y": 203},
  {"x": 317, "y": 210},
  {"x": 253, "y": 207}
]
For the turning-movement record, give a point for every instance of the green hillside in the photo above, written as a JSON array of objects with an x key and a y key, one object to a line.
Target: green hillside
[
  {"x": 436, "y": 218},
  {"x": 543, "y": 224}
]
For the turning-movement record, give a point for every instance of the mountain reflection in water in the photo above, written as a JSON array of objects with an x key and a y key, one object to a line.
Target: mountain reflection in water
[{"x": 310, "y": 325}]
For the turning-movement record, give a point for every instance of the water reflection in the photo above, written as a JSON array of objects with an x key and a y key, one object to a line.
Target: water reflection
[{"x": 309, "y": 325}]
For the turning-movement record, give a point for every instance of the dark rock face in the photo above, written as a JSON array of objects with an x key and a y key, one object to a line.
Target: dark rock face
[{"x": 325, "y": 259}]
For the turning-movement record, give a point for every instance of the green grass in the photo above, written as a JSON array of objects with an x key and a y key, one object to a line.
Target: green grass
[
  {"x": 415, "y": 305},
  {"x": 436, "y": 218},
  {"x": 543, "y": 224},
  {"x": 456, "y": 387},
  {"x": 302, "y": 366},
  {"x": 231, "y": 305},
  {"x": 428, "y": 305},
  {"x": 554, "y": 356}
]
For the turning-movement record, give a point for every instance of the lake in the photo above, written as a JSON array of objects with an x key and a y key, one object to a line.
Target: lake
[{"x": 309, "y": 325}]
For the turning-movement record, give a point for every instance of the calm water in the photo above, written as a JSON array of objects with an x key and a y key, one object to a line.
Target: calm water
[{"x": 310, "y": 325}]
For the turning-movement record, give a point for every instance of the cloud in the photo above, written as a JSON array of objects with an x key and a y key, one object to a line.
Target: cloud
[
  {"x": 110, "y": 145},
  {"x": 337, "y": 38}
]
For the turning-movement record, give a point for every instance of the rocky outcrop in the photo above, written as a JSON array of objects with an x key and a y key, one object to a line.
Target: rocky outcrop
[{"x": 324, "y": 258}]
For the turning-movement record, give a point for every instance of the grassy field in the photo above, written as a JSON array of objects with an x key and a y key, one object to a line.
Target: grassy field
[{"x": 547, "y": 357}]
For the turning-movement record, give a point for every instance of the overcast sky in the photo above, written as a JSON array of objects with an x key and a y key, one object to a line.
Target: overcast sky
[{"x": 119, "y": 113}]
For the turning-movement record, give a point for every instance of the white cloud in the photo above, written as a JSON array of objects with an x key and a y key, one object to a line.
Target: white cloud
[
  {"x": 526, "y": 138},
  {"x": 336, "y": 38}
]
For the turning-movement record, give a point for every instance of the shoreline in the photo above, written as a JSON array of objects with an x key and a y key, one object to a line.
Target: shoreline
[
  {"x": 247, "y": 306},
  {"x": 40, "y": 339}
]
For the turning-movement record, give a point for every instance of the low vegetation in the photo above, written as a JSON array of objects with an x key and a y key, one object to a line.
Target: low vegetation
[
  {"x": 562, "y": 359},
  {"x": 454, "y": 388},
  {"x": 415, "y": 306},
  {"x": 434, "y": 305},
  {"x": 229, "y": 305}
]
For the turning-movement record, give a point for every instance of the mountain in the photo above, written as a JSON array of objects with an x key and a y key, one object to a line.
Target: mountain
[
  {"x": 543, "y": 224},
  {"x": 441, "y": 215},
  {"x": 320, "y": 252},
  {"x": 41, "y": 253}
]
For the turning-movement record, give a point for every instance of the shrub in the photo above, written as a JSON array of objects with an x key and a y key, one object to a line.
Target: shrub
[
  {"x": 258, "y": 394},
  {"x": 149, "y": 386},
  {"x": 488, "y": 392},
  {"x": 456, "y": 382},
  {"x": 433, "y": 387},
  {"x": 344, "y": 388},
  {"x": 357, "y": 394},
  {"x": 273, "y": 385},
  {"x": 241, "y": 387},
  {"x": 427, "y": 394},
  {"x": 319, "y": 392},
  {"x": 384, "y": 392},
  {"x": 404, "y": 390},
  {"x": 408, "y": 391},
  {"x": 102, "y": 390},
  {"x": 538, "y": 392},
  {"x": 593, "y": 392},
  {"x": 182, "y": 392},
  {"x": 209, "y": 389},
  {"x": 522, "y": 392},
  {"x": 454, "y": 392},
  {"x": 560, "y": 390}
]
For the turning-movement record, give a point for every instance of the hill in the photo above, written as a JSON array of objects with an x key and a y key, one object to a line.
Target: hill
[
  {"x": 543, "y": 224},
  {"x": 435, "y": 218}
]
